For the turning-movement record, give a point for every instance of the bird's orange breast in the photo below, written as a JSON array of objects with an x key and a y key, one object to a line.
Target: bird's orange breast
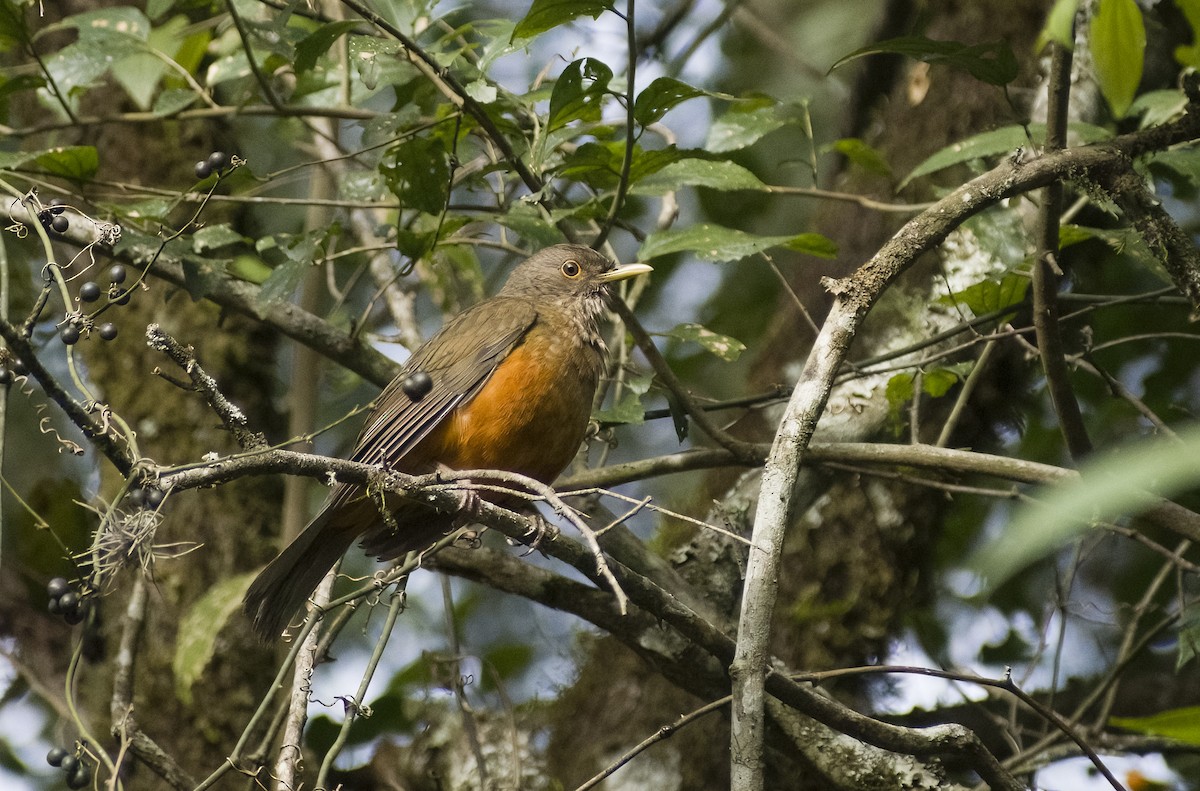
[{"x": 531, "y": 414}]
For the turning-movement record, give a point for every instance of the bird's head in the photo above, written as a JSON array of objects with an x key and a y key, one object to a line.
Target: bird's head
[{"x": 568, "y": 274}]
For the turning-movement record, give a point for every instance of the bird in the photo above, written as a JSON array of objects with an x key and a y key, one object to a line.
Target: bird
[{"x": 507, "y": 384}]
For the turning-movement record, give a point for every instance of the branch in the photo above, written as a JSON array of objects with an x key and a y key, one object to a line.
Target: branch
[
  {"x": 745, "y": 451},
  {"x": 77, "y": 413},
  {"x": 1164, "y": 237},
  {"x": 453, "y": 90},
  {"x": 121, "y": 708},
  {"x": 642, "y": 631},
  {"x": 185, "y": 357},
  {"x": 1046, "y": 271},
  {"x": 854, "y": 297}
]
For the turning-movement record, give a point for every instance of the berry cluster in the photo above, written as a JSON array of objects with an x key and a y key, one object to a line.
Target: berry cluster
[
  {"x": 216, "y": 162},
  {"x": 77, "y": 770},
  {"x": 66, "y": 600},
  {"x": 145, "y": 497},
  {"x": 52, "y": 218},
  {"x": 90, "y": 292}
]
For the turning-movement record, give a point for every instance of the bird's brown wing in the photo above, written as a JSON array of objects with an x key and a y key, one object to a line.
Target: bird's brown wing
[{"x": 459, "y": 360}]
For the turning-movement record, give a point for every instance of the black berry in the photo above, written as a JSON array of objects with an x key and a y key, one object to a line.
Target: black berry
[
  {"x": 57, "y": 205},
  {"x": 69, "y": 601},
  {"x": 137, "y": 498},
  {"x": 117, "y": 273},
  {"x": 54, "y": 607},
  {"x": 60, "y": 224},
  {"x": 217, "y": 160},
  {"x": 89, "y": 291},
  {"x": 154, "y": 497},
  {"x": 416, "y": 385},
  {"x": 55, "y": 756},
  {"x": 108, "y": 331},
  {"x": 20, "y": 368},
  {"x": 123, "y": 297},
  {"x": 68, "y": 764},
  {"x": 57, "y": 587},
  {"x": 6, "y": 376},
  {"x": 80, "y": 777},
  {"x": 73, "y": 616},
  {"x": 69, "y": 334}
]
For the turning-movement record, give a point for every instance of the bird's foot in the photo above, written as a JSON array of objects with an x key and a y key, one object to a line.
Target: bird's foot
[
  {"x": 538, "y": 532},
  {"x": 469, "y": 506}
]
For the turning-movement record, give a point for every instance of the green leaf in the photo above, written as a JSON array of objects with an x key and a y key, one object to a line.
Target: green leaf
[
  {"x": 375, "y": 61},
  {"x": 13, "y": 31},
  {"x": 660, "y": 96},
  {"x": 173, "y": 100},
  {"x": 1060, "y": 25},
  {"x": 284, "y": 280},
  {"x": 250, "y": 268},
  {"x": 79, "y": 66},
  {"x": 578, "y": 93},
  {"x": 1181, "y": 166},
  {"x": 1123, "y": 241},
  {"x": 546, "y": 14},
  {"x": 1179, "y": 724},
  {"x": 599, "y": 164},
  {"x": 150, "y": 210},
  {"x": 991, "y": 295},
  {"x": 481, "y": 91},
  {"x": 121, "y": 20},
  {"x": 317, "y": 43},
  {"x": 861, "y": 154},
  {"x": 418, "y": 172},
  {"x": 723, "y": 346},
  {"x": 899, "y": 391},
  {"x": 1189, "y": 638},
  {"x": 939, "y": 381},
  {"x": 141, "y": 72},
  {"x": 717, "y": 174},
  {"x": 628, "y": 410},
  {"x": 992, "y": 62},
  {"x": 1158, "y": 107},
  {"x": 528, "y": 222},
  {"x": 15, "y": 159},
  {"x": 1123, "y": 481},
  {"x": 1189, "y": 54},
  {"x": 716, "y": 243},
  {"x": 1118, "y": 43},
  {"x": 999, "y": 142},
  {"x": 77, "y": 163},
  {"x": 213, "y": 237},
  {"x": 744, "y": 124},
  {"x": 813, "y": 244},
  {"x": 198, "y": 630}
]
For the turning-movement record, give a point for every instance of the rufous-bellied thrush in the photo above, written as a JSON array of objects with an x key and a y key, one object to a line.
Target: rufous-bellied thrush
[{"x": 505, "y": 385}]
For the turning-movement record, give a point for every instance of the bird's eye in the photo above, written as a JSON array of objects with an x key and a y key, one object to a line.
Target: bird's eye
[{"x": 571, "y": 268}]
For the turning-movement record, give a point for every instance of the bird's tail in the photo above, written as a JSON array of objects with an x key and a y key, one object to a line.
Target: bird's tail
[{"x": 288, "y": 580}]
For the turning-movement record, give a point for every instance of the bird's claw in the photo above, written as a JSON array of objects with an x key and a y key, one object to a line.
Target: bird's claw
[
  {"x": 469, "y": 506},
  {"x": 540, "y": 531}
]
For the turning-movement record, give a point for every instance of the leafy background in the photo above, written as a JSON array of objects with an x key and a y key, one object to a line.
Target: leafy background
[{"x": 791, "y": 143}]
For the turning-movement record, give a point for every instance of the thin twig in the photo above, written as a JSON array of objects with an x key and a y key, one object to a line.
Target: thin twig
[
  {"x": 1046, "y": 272},
  {"x": 665, "y": 732}
]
